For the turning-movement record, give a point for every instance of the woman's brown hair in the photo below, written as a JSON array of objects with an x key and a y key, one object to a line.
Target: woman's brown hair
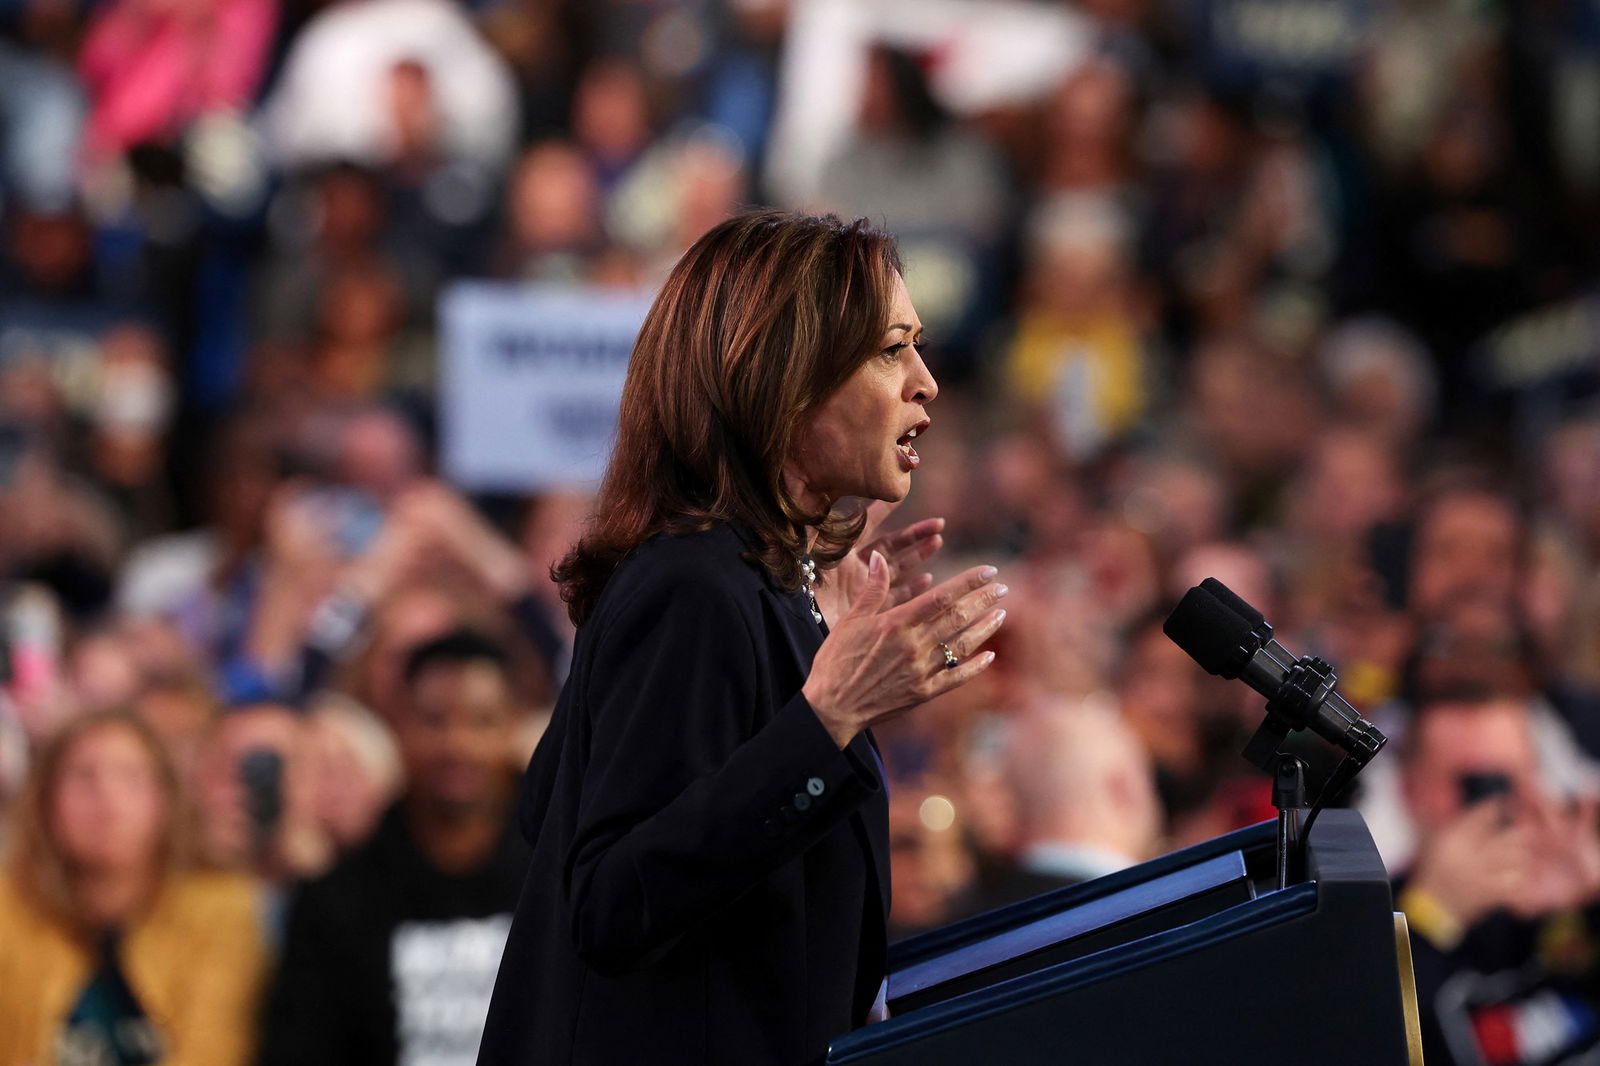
[
  {"x": 36, "y": 863},
  {"x": 764, "y": 318}
]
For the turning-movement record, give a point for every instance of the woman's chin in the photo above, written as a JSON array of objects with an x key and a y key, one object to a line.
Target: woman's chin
[
  {"x": 891, "y": 487},
  {"x": 894, "y": 490}
]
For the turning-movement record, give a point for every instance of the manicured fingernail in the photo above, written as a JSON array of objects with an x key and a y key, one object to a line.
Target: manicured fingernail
[
  {"x": 987, "y": 573},
  {"x": 1001, "y": 590},
  {"x": 999, "y": 617},
  {"x": 988, "y": 657},
  {"x": 875, "y": 563}
]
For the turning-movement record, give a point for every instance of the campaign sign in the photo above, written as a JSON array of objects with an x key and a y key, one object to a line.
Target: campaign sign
[
  {"x": 530, "y": 380},
  {"x": 1312, "y": 45}
]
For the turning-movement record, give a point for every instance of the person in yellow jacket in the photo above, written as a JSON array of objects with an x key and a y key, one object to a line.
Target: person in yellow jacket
[
  {"x": 112, "y": 950},
  {"x": 1077, "y": 352}
]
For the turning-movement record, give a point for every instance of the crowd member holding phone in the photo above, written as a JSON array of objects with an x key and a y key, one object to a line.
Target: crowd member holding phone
[
  {"x": 709, "y": 879},
  {"x": 1502, "y": 895}
]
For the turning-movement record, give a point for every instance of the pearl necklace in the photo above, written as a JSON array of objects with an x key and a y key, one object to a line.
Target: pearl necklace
[{"x": 808, "y": 577}]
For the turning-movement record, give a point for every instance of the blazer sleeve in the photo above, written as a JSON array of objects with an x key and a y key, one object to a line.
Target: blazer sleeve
[{"x": 694, "y": 787}]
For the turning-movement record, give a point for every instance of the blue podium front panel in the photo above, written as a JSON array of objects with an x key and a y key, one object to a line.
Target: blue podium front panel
[
  {"x": 1208, "y": 886},
  {"x": 1191, "y": 959}
]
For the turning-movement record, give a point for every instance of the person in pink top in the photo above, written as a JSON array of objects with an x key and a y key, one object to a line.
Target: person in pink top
[{"x": 153, "y": 67}]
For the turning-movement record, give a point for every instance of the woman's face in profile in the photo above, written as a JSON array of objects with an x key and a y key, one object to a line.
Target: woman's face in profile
[
  {"x": 859, "y": 442},
  {"x": 108, "y": 809}
]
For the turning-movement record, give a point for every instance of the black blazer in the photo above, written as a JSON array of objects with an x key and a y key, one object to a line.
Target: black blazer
[{"x": 709, "y": 880}]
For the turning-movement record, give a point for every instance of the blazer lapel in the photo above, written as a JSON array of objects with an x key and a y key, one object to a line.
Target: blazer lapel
[{"x": 800, "y": 631}]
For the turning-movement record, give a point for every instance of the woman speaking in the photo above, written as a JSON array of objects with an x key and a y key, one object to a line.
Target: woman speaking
[{"x": 709, "y": 881}]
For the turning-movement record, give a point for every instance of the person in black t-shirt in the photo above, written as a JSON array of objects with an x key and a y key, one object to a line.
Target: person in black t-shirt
[{"x": 391, "y": 957}]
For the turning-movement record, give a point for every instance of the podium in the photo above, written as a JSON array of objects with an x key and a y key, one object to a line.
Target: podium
[{"x": 1195, "y": 958}]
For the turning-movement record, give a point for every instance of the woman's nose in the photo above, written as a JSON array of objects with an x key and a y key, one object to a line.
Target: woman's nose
[{"x": 922, "y": 386}]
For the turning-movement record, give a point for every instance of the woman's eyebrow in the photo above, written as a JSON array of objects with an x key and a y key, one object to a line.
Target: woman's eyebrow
[{"x": 908, "y": 327}]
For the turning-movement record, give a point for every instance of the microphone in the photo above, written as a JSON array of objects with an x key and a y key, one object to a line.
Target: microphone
[
  {"x": 1231, "y": 600},
  {"x": 1231, "y": 639}
]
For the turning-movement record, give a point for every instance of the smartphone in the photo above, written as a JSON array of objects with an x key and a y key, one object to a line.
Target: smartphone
[
  {"x": 351, "y": 517},
  {"x": 1475, "y": 788},
  {"x": 261, "y": 773}
]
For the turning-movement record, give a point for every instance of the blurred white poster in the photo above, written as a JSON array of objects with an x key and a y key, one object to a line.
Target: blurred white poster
[
  {"x": 981, "y": 55},
  {"x": 530, "y": 380}
]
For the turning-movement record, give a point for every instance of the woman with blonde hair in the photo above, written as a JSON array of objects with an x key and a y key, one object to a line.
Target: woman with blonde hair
[{"x": 113, "y": 950}]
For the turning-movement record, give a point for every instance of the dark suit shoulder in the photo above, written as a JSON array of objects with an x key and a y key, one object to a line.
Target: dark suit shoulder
[{"x": 681, "y": 570}]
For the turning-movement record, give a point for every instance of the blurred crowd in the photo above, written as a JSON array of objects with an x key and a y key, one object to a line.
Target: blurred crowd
[{"x": 1300, "y": 296}]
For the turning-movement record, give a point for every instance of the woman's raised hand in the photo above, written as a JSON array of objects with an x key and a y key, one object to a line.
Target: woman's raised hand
[
  {"x": 905, "y": 550},
  {"x": 879, "y": 661}
]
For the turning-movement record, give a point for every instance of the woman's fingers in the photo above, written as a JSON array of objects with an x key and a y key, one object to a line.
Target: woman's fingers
[
  {"x": 956, "y": 676},
  {"x": 949, "y": 600},
  {"x": 965, "y": 645},
  {"x": 876, "y": 592},
  {"x": 915, "y": 542},
  {"x": 906, "y": 549},
  {"x": 950, "y": 608},
  {"x": 899, "y": 594},
  {"x": 907, "y": 558},
  {"x": 901, "y": 538}
]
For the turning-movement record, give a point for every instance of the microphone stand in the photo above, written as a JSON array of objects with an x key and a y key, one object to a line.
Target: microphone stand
[
  {"x": 1227, "y": 637},
  {"x": 1305, "y": 683},
  {"x": 1289, "y": 797}
]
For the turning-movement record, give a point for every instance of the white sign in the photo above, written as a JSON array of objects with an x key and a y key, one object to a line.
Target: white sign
[
  {"x": 985, "y": 54},
  {"x": 531, "y": 377}
]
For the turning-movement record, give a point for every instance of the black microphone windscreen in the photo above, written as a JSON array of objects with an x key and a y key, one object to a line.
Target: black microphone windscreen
[
  {"x": 1214, "y": 634},
  {"x": 1229, "y": 599}
]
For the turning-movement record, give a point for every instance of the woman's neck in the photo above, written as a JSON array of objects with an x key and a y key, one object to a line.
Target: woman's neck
[
  {"x": 810, "y": 500},
  {"x": 110, "y": 899}
]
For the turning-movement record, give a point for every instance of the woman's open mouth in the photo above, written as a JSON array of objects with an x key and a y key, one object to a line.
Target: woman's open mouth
[{"x": 908, "y": 455}]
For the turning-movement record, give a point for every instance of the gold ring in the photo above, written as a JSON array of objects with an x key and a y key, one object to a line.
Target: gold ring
[{"x": 950, "y": 659}]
